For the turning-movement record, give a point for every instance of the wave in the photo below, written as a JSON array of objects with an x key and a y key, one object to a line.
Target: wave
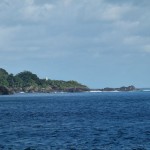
[
  {"x": 95, "y": 91},
  {"x": 146, "y": 90},
  {"x": 102, "y": 91}
]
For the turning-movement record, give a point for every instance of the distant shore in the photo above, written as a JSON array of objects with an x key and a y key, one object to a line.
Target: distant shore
[
  {"x": 28, "y": 82},
  {"x": 7, "y": 91},
  {"x": 123, "y": 89}
]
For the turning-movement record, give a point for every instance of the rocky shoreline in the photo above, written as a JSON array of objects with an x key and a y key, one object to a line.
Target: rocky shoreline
[
  {"x": 7, "y": 91},
  {"x": 121, "y": 89},
  {"x": 29, "y": 82}
]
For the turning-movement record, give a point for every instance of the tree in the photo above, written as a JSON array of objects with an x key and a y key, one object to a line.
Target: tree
[
  {"x": 28, "y": 78},
  {"x": 11, "y": 80},
  {"x": 3, "y": 77}
]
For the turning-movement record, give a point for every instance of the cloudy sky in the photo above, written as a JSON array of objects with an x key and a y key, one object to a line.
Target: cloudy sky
[{"x": 99, "y": 43}]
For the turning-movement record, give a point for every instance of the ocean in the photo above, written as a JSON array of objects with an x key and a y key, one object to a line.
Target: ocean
[{"x": 75, "y": 121}]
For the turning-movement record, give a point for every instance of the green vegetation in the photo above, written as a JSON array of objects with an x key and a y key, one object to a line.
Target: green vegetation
[
  {"x": 28, "y": 82},
  {"x": 3, "y": 77}
]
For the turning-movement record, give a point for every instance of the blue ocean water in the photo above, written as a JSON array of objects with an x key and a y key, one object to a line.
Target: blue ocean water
[{"x": 75, "y": 121}]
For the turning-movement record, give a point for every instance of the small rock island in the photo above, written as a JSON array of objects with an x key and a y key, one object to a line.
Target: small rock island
[{"x": 121, "y": 89}]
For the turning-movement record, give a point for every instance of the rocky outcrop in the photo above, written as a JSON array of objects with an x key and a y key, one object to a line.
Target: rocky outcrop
[
  {"x": 123, "y": 89},
  {"x": 32, "y": 89},
  {"x": 76, "y": 90},
  {"x": 129, "y": 88},
  {"x": 48, "y": 89},
  {"x": 4, "y": 90}
]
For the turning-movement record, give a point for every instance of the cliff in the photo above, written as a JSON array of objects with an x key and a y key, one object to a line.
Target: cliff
[{"x": 4, "y": 90}]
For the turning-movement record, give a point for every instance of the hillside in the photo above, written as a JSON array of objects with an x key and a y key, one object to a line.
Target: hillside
[{"x": 26, "y": 81}]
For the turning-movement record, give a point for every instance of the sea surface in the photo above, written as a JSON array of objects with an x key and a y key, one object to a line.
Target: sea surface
[{"x": 75, "y": 121}]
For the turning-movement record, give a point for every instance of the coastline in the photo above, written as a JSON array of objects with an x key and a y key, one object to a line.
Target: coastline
[{"x": 9, "y": 91}]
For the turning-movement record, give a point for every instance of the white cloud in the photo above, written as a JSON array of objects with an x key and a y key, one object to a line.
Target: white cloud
[
  {"x": 35, "y": 12},
  {"x": 147, "y": 48},
  {"x": 63, "y": 26},
  {"x": 114, "y": 12},
  {"x": 132, "y": 40},
  {"x": 127, "y": 25},
  {"x": 67, "y": 2},
  {"x": 74, "y": 34},
  {"x": 7, "y": 35}
]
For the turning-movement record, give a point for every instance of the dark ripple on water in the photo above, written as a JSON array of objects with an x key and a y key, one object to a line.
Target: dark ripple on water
[{"x": 99, "y": 121}]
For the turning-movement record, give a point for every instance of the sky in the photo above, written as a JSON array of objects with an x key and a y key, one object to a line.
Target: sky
[{"x": 99, "y": 43}]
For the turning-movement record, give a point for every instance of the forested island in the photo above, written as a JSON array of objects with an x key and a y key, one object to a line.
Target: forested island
[{"x": 28, "y": 82}]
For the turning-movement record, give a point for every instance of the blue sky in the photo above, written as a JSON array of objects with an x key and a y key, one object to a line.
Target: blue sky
[{"x": 99, "y": 43}]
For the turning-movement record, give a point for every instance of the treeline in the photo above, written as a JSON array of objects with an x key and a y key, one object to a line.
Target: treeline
[{"x": 28, "y": 82}]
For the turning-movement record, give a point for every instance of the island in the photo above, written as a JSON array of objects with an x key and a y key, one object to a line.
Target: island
[
  {"x": 28, "y": 82},
  {"x": 120, "y": 89}
]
